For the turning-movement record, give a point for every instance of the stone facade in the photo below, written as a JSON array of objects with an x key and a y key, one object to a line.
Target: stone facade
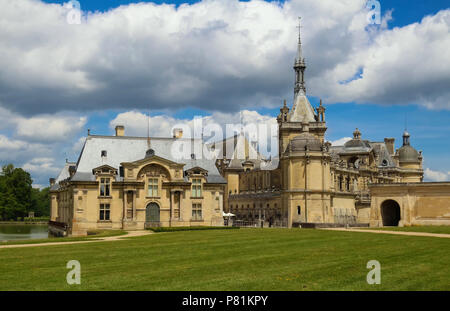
[
  {"x": 111, "y": 188},
  {"x": 409, "y": 204},
  {"x": 312, "y": 181}
]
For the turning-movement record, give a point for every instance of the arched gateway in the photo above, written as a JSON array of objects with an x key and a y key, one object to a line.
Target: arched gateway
[
  {"x": 390, "y": 213},
  {"x": 152, "y": 213}
]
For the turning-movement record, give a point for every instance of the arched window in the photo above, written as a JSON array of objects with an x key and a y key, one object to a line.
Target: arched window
[{"x": 299, "y": 210}]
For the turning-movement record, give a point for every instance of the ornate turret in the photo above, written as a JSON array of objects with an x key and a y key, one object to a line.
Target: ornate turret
[
  {"x": 299, "y": 66},
  {"x": 302, "y": 111},
  {"x": 410, "y": 160},
  {"x": 407, "y": 154}
]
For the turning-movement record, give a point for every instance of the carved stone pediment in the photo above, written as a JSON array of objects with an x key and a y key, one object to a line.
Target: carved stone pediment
[{"x": 154, "y": 170}]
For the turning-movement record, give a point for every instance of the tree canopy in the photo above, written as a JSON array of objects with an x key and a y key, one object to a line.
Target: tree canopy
[{"x": 18, "y": 197}]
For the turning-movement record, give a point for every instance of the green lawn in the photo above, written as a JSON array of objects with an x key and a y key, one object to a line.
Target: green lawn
[
  {"x": 430, "y": 229},
  {"x": 245, "y": 259}
]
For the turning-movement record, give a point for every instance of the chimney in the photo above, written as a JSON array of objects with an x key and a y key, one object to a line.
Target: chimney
[
  {"x": 390, "y": 144},
  {"x": 120, "y": 130},
  {"x": 177, "y": 133},
  {"x": 72, "y": 170},
  {"x": 52, "y": 182}
]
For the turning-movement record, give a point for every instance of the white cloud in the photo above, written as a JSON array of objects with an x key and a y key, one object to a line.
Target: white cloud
[
  {"x": 215, "y": 55},
  {"x": 340, "y": 141},
  {"x": 431, "y": 175},
  {"x": 7, "y": 144},
  {"x": 414, "y": 51},
  {"x": 136, "y": 123},
  {"x": 49, "y": 127},
  {"x": 41, "y": 165}
]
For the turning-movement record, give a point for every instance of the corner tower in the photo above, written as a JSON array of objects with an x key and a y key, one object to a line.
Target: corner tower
[
  {"x": 304, "y": 156},
  {"x": 302, "y": 117}
]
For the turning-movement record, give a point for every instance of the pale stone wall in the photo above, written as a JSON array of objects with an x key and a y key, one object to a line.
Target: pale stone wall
[
  {"x": 420, "y": 203},
  {"x": 78, "y": 203}
]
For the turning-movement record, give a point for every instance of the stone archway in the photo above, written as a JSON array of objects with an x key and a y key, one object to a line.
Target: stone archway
[{"x": 390, "y": 213}]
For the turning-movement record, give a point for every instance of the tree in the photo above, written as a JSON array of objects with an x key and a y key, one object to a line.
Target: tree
[
  {"x": 40, "y": 202},
  {"x": 17, "y": 196}
]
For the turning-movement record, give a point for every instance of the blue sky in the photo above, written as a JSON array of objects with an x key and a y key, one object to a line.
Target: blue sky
[{"x": 376, "y": 117}]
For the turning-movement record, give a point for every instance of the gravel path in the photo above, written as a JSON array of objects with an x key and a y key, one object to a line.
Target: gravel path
[
  {"x": 435, "y": 235},
  {"x": 93, "y": 240}
]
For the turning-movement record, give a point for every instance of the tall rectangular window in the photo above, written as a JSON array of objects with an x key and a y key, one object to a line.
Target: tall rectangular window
[
  {"x": 105, "y": 212},
  {"x": 196, "y": 188},
  {"x": 196, "y": 211},
  {"x": 105, "y": 187},
  {"x": 153, "y": 187}
]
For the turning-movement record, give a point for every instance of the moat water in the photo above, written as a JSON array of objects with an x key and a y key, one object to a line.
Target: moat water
[{"x": 22, "y": 232}]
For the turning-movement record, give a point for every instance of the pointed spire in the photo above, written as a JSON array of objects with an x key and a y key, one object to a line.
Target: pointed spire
[
  {"x": 299, "y": 66},
  {"x": 302, "y": 111},
  {"x": 299, "y": 47}
]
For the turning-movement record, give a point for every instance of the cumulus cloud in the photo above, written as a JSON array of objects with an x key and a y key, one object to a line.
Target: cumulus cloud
[
  {"x": 42, "y": 128},
  {"x": 214, "y": 55},
  {"x": 137, "y": 123},
  {"x": 49, "y": 127},
  {"x": 430, "y": 175},
  {"x": 34, "y": 143},
  {"x": 39, "y": 165},
  {"x": 215, "y": 127},
  {"x": 340, "y": 141},
  {"x": 414, "y": 51}
]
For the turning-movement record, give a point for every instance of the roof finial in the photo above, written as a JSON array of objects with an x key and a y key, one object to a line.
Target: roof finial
[{"x": 148, "y": 131}]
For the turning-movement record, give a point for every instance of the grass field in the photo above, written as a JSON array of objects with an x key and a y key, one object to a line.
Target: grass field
[
  {"x": 246, "y": 259},
  {"x": 430, "y": 229}
]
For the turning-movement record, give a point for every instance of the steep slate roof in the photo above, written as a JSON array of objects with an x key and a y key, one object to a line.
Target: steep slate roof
[
  {"x": 302, "y": 111},
  {"x": 235, "y": 143},
  {"x": 129, "y": 149},
  {"x": 383, "y": 154},
  {"x": 364, "y": 146},
  {"x": 63, "y": 174}
]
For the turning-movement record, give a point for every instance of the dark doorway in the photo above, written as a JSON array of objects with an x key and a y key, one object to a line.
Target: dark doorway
[
  {"x": 152, "y": 213},
  {"x": 390, "y": 213}
]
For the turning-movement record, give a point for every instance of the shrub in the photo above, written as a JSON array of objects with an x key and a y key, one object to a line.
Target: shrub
[{"x": 175, "y": 229}]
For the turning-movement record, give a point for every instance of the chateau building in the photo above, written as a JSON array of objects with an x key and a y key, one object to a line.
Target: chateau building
[
  {"x": 313, "y": 182},
  {"x": 122, "y": 182}
]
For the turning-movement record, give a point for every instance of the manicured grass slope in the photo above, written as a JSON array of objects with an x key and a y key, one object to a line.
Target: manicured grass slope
[{"x": 246, "y": 259}]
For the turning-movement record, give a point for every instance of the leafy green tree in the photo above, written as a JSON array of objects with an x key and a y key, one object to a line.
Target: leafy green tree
[
  {"x": 40, "y": 202},
  {"x": 17, "y": 196}
]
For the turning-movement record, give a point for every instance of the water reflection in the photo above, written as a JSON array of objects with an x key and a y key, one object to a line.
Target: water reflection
[{"x": 23, "y": 232}]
